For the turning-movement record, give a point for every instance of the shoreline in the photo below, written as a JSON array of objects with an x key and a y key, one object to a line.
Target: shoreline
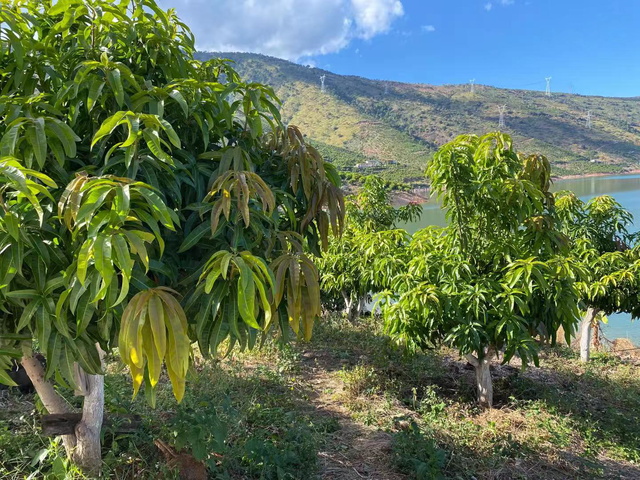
[
  {"x": 633, "y": 171},
  {"x": 400, "y": 199}
]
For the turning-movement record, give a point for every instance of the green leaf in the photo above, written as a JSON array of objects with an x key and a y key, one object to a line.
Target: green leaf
[
  {"x": 9, "y": 140},
  {"x": 246, "y": 294},
  {"x": 123, "y": 258},
  {"x": 11, "y": 222},
  {"x": 152, "y": 138},
  {"x": 177, "y": 96},
  {"x": 171, "y": 133},
  {"x": 102, "y": 254},
  {"x": 158, "y": 208},
  {"x": 83, "y": 259},
  {"x": 5, "y": 379},
  {"x": 108, "y": 126},
  {"x": 95, "y": 90},
  {"x": 28, "y": 313},
  {"x": 84, "y": 313},
  {"x": 43, "y": 325},
  {"x": 38, "y": 140},
  {"x": 137, "y": 245},
  {"x": 115, "y": 82},
  {"x": 194, "y": 237}
]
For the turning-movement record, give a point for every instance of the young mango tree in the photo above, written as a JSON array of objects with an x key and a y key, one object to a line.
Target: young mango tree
[
  {"x": 496, "y": 275},
  {"x": 610, "y": 255},
  {"x": 346, "y": 266},
  {"x": 147, "y": 201}
]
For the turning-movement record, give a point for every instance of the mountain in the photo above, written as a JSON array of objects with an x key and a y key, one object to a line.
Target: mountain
[{"x": 392, "y": 128}]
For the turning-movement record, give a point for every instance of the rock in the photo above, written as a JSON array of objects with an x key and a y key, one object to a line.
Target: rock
[{"x": 19, "y": 376}]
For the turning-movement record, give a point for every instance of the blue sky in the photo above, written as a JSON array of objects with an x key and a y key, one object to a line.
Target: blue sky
[{"x": 592, "y": 46}]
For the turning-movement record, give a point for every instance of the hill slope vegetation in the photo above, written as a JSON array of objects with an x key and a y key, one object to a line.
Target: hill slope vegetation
[{"x": 400, "y": 125}]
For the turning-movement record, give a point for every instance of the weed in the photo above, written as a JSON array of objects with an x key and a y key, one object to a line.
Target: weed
[
  {"x": 200, "y": 432},
  {"x": 281, "y": 457},
  {"x": 417, "y": 455},
  {"x": 360, "y": 380}
]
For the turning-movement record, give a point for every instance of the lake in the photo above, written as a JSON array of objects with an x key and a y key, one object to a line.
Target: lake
[{"x": 624, "y": 188}]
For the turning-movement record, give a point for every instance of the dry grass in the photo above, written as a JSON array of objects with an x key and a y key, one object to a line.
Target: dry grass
[{"x": 349, "y": 405}]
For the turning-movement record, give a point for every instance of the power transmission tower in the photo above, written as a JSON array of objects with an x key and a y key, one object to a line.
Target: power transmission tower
[
  {"x": 472, "y": 82},
  {"x": 502, "y": 109},
  {"x": 548, "y": 91},
  {"x": 386, "y": 88},
  {"x": 589, "y": 119},
  {"x": 322, "y": 79}
]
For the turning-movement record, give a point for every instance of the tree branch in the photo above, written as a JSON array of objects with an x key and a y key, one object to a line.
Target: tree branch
[
  {"x": 52, "y": 401},
  {"x": 472, "y": 359}
]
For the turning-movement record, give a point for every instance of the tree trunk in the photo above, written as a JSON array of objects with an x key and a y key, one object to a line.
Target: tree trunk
[
  {"x": 585, "y": 333},
  {"x": 484, "y": 383},
  {"x": 348, "y": 302},
  {"x": 52, "y": 402},
  {"x": 84, "y": 447},
  {"x": 353, "y": 306},
  {"x": 88, "y": 454},
  {"x": 544, "y": 334}
]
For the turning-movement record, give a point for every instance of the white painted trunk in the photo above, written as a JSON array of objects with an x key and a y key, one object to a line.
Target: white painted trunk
[
  {"x": 353, "y": 307},
  {"x": 347, "y": 302},
  {"x": 84, "y": 447},
  {"x": 484, "y": 383},
  {"x": 88, "y": 453},
  {"x": 585, "y": 334}
]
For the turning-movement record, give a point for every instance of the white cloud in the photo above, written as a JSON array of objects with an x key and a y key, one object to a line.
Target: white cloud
[
  {"x": 285, "y": 28},
  {"x": 505, "y": 3},
  {"x": 374, "y": 16},
  {"x": 428, "y": 28}
]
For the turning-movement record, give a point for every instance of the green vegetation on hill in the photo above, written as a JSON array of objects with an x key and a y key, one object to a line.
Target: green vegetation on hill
[{"x": 405, "y": 123}]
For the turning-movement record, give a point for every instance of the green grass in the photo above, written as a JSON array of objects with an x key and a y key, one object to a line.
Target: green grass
[{"x": 350, "y": 400}]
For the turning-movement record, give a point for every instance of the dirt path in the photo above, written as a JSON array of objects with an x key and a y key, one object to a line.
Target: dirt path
[{"x": 355, "y": 451}]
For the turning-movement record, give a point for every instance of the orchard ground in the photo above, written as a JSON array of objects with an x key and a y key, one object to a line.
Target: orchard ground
[{"x": 349, "y": 405}]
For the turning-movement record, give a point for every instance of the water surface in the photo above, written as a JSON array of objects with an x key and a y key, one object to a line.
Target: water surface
[{"x": 624, "y": 188}]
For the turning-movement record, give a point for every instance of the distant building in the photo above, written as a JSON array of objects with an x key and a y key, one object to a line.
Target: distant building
[{"x": 369, "y": 164}]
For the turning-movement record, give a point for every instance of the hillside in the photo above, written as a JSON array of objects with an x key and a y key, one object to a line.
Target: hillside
[{"x": 401, "y": 125}]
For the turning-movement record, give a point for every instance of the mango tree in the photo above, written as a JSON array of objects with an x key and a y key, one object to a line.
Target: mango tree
[
  {"x": 147, "y": 201},
  {"x": 610, "y": 254},
  {"x": 496, "y": 275},
  {"x": 346, "y": 265}
]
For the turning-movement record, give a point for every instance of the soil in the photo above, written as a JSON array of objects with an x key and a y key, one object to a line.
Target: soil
[{"x": 356, "y": 451}]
